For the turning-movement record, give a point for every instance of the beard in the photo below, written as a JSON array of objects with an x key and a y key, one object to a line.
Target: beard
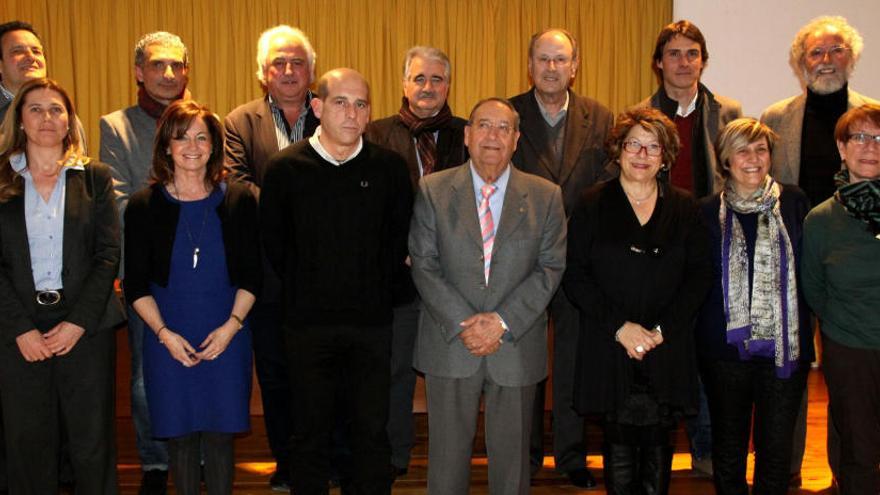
[{"x": 827, "y": 83}]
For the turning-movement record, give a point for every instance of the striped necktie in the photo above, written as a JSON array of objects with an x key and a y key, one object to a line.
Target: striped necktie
[{"x": 487, "y": 227}]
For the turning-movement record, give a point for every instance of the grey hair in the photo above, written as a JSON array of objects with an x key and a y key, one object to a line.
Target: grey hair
[
  {"x": 266, "y": 39},
  {"x": 161, "y": 38},
  {"x": 850, "y": 35},
  {"x": 426, "y": 53}
]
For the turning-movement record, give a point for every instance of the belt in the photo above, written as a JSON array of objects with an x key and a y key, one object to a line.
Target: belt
[{"x": 49, "y": 297}]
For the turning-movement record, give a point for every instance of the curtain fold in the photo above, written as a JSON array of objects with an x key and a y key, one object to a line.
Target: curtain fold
[{"x": 89, "y": 45}]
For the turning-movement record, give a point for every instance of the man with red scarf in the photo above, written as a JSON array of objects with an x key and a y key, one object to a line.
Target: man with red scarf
[
  {"x": 161, "y": 67},
  {"x": 430, "y": 139}
]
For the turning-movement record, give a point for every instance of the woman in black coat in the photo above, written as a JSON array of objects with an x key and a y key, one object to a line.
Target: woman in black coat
[{"x": 638, "y": 270}]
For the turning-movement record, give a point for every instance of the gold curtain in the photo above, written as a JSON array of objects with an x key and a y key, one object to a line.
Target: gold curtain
[{"x": 89, "y": 45}]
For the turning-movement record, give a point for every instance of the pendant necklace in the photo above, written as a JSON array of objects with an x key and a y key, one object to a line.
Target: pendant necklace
[
  {"x": 639, "y": 202},
  {"x": 194, "y": 243}
]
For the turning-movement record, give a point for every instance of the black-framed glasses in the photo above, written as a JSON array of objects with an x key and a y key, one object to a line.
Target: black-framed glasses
[
  {"x": 634, "y": 147},
  {"x": 863, "y": 138}
]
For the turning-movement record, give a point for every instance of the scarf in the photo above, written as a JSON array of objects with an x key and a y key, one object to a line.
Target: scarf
[
  {"x": 767, "y": 324},
  {"x": 861, "y": 199},
  {"x": 423, "y": 132},
  {"x": 152, "y": 107}
]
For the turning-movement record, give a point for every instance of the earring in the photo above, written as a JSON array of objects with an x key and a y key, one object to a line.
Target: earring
[{"x": 664, "y": 168}]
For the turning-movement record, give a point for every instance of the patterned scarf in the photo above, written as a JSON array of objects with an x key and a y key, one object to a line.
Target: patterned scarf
[
  {"x": 767, "y": 324},
  {"x": 861, "y": 199},
  {"x": 423, "y": 131}
]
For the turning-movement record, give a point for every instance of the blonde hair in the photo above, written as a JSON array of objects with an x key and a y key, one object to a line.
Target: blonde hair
[{"x": 738, "y": 134}]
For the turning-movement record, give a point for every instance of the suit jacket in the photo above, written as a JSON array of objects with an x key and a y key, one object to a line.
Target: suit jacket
[
  {"x": 786, "y": 118},
  {"x": 127, "y": 146},
  {"x": 250, "y": 140},
  {"x": 715, "y": 112},
  {"x": 90, "y": 257},
  {"x": 527, "y": 264},
  {"x": 393, "y": 134},
  {"x": 586, "y": 127}
]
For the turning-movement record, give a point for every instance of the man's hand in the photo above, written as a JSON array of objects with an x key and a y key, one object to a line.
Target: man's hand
[
  {"x": 32, "y": 346},
  {"x": 63, "y": 336},
  {"x": 482, "y": 333}
]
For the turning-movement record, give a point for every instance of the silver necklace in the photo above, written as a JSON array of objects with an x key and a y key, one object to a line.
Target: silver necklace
[
  {"x": 639, "y": 202},
  {"x": 194, "y": 243}
]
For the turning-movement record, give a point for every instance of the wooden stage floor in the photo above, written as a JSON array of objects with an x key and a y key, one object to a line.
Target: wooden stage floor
[{"x": 254, "y": 464}]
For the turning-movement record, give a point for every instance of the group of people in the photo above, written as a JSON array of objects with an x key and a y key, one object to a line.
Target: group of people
[{"x": 672, "y": 252}]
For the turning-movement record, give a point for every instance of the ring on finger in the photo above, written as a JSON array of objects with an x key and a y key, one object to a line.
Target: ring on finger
[{"x": 640, "y": 349}]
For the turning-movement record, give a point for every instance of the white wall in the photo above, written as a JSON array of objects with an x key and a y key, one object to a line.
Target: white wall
[{"x": 748, "y": 43}]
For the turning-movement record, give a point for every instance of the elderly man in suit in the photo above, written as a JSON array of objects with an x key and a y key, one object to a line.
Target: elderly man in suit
[
  {"x": 563, "y": 140},
  {"x": 487, "y": 243},
  {"x": 161, "y": 66},
  {"x": 254, "y": 132},
  {"x": 426, "y": 134},
  {"x": 823, "y": 56}
]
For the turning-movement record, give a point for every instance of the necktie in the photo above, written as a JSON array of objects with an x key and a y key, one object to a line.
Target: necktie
[{"x": 487, "y": 227}]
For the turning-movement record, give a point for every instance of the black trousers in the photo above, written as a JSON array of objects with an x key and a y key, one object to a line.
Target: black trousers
[
  {"x": 270, "y": 361},
  {"x": 76, "y": 389},
  {"x": 319, "y": 358},
  {"x": 853, "y": 379},
  {"x": 185, "y": 455},
  {"x": 737, "y": 390}
]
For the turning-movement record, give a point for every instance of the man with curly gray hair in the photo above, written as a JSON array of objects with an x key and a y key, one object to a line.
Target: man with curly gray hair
[{"x": 823, "y": 56}]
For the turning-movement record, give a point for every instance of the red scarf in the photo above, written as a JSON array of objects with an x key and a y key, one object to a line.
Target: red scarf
[
  {"x": 151, "y": 106},
  {"x": 423, "y": 130}
]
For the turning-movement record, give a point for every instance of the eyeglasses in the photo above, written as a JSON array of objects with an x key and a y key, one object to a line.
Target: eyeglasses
[
  {"x": 862, "y": 138},
  {"x": 635, "y": 147},
  {"x": 836, "y": 52},
  {"x": 485, "y": 127}
]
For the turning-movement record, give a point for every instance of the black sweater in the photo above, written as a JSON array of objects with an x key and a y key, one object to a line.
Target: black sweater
[
  {"x": 336, "y": 234},
  {"x": 150, "y": 226}
]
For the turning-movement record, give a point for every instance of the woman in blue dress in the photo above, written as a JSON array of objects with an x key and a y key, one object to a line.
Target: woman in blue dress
[{"x": 192, "y": 270}]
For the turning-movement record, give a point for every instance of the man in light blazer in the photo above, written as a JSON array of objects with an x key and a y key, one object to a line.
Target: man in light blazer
[
  {"x": 487, "y": 244},
  {"x": 563, "y": 140},
  {"x": 823, "y": 56}
]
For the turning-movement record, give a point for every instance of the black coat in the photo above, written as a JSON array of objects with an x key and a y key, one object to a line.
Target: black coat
[{"x": 620, "y": 271}]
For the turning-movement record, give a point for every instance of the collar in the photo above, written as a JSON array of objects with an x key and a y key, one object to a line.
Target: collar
[
  {"x": 552, "y": 119},
  {"x": 305, "y": 105},
  {"x": 500, "y": 182},
  {"x": 684, "y": 112},
  {"x": 9, "y": 95},
  {"x": 18, "y": 162},
  {"x": 316, "y": 143}
]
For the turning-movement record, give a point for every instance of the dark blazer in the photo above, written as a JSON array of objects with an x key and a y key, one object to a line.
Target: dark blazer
[
  {"x": 250, "y": 139},
  {"x": 586, "y": 127},
  {"x": 90, "y": 257},
  {"x": 150, "y": 227},
  {"x": 393, "y": 134}
]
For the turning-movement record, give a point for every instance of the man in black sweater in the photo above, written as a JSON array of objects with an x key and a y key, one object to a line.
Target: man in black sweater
[{"x": 335, "y": 215}]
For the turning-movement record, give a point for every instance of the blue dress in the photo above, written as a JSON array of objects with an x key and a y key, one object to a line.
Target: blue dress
[{"x": 213, "y": 395}]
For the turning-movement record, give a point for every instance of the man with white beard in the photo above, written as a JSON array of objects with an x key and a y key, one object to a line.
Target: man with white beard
[{"x": 823, "y": 55}]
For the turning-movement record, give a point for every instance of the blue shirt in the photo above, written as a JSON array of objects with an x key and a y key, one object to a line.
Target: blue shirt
[
  {"x": 45, "y": 224},
  {"x": 496, "y": 200}
]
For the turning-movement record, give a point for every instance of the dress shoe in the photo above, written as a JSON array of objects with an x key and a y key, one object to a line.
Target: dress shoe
[
  {"x": 702, "y": 467},
  {"x": 279, "y": 482},
  {"x": 154, "y": 482},
  {"x": 581, "y": 478}
]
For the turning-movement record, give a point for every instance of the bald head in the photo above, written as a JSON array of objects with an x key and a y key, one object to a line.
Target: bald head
[{"x": 342, "y": 74}]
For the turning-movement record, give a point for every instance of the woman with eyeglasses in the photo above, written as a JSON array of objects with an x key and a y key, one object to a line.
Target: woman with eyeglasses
[
  {"x": 59, "y": 255},
  {"x": 841, "y": 281},
  {"x": 754, "y": 340},
  {"x": 638, "y": 270}
]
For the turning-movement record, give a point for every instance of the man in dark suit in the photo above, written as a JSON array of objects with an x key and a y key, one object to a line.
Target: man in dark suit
[
  {"x": 563, "y": 138},
  {"x": 254, "y": 132},
  {"x": 426, "y": 134},
  {"x": 488, "y": 250}
]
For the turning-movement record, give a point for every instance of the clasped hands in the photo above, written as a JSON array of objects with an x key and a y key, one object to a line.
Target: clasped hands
[
  {"x": 638, "y": 340},
  {"x": 36, "y": 346},
  {"x": 213, "y": 345},
  {"x": 482, "y": 333}
]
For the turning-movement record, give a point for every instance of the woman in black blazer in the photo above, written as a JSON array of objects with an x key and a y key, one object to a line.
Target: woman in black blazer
[{"x": 59, "y": 254}]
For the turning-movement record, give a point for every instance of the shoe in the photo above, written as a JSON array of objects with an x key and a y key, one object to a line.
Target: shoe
[
  {"x": 702, "y": 467},
  {"x": 154, "y": 482},
  {"x": 278, "y": 482},
  {"x": 581, "y": 478}
]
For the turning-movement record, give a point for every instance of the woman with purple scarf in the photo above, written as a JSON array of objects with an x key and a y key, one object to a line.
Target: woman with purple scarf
[{"x": 753, "y": 337}]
